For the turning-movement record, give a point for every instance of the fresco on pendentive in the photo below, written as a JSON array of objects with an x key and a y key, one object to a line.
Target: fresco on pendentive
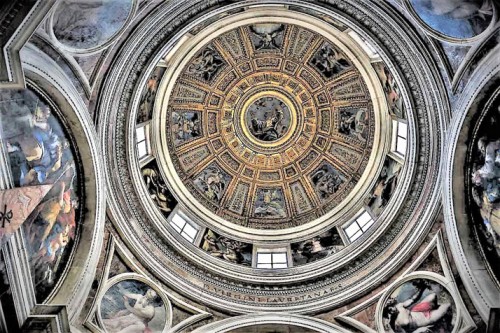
[
  {"x": 455, "y": 18},
  {"x": 391, "y": 90},
  {"x": 148, "y": 96},
  {"x": 419, "y": 305},
  {"x": 317, "y": 247},
  {"x": 157, "y": 189},
  {"x": 212, "y": 182},
  {"x": 353, "y": 122},
  {"x": 134, "y": 307},
  {"x": 268, "y": 119},
  {"x": 40, "y": 154},
  {"x": 186, "y": 126},
  {"x": 385, "y": 186},
  {"x": 329, "y": 62},
  {"x": 484, "y": 187},
  {"x": 86, "y": 24},
  {"x": 326, "y": 180},
  {"x": 227, "y": 249}
]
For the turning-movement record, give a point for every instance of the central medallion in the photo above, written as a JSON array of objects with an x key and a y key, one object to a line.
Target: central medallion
[{"x": 268, "y": 119}]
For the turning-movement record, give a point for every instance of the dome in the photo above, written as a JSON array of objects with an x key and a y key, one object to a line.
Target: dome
[
  {"x": 257, "y": 131},
  {"x": 249, "y": 166}
]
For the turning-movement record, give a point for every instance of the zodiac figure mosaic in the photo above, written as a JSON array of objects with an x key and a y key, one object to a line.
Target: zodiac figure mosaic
[
  {"x": 131, "y": 306},
  {"x": 267, "y": 36},
  {"x": 329, "y": 62},
  {"x": 326, "y": 180},
  {"x": 206, "y": 64},
  {"x": 419, "y": 306},
  {"x": 353, "y": 123},
  {"x": 222, "y": 247},
  {"x": 212, "y": 182},
  {"x": 186, "y": 126},
  {"x": 270, "y": 202},
  {"x": 40, "y": 154},
  {"x": 268, "y": 119}
]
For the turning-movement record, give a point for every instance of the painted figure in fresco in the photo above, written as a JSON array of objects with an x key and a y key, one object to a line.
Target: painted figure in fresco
[
  {"x": 222, "y": 247},
  {"x": 486, "y": 191},
  {"x": 51, "y": 227},
  {"x": 89, "y": 23},
  {"x": 385, "y": 186},
  {"x": 206, "y": 64},
  {"x": 148, "y": 96},
  {"x": 477, "y": 12},
  {"x": 267, "y": 37},
  {"x": 329, "y": 61},
  {"x": 270, "y": 203},
  {"x": 316, "y": 248},
  {"x": 42, "y": 151},
  {"x": 39, "y": 154},
  {"x": 326, "y": 181},
  {"x": 353, "y": 123},
  {"x": 135, "y": 318},
  {"x": 158, "y": 191},
  {"x": 418, "y": 314},
  {"x": 391, "y": 90},
  {"x": 212, "y": 183},
  {"x": 186, "y": 126}
]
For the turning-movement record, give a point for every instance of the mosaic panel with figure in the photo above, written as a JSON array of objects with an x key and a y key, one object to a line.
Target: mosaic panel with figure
[
  {"x": 326, "y": 180},
  {"x": 329, "y": 61},
  {"x": 270, "y": 203},
  {"x": 40, "y": 153},
  {"x": 265, "y": 37},
  {"x": 212, "y": 182},
  {"x": 186, "y": 126}
]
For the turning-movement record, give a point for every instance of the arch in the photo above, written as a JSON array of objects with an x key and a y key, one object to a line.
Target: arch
[{"x": 255, "y": 319}]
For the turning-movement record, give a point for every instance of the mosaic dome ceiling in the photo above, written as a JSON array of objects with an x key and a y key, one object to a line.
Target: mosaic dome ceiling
[{"x": 269, "y": 125}]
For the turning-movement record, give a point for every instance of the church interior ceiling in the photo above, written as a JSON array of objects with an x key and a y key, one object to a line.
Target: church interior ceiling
[{"x": 251, "y": 166}]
